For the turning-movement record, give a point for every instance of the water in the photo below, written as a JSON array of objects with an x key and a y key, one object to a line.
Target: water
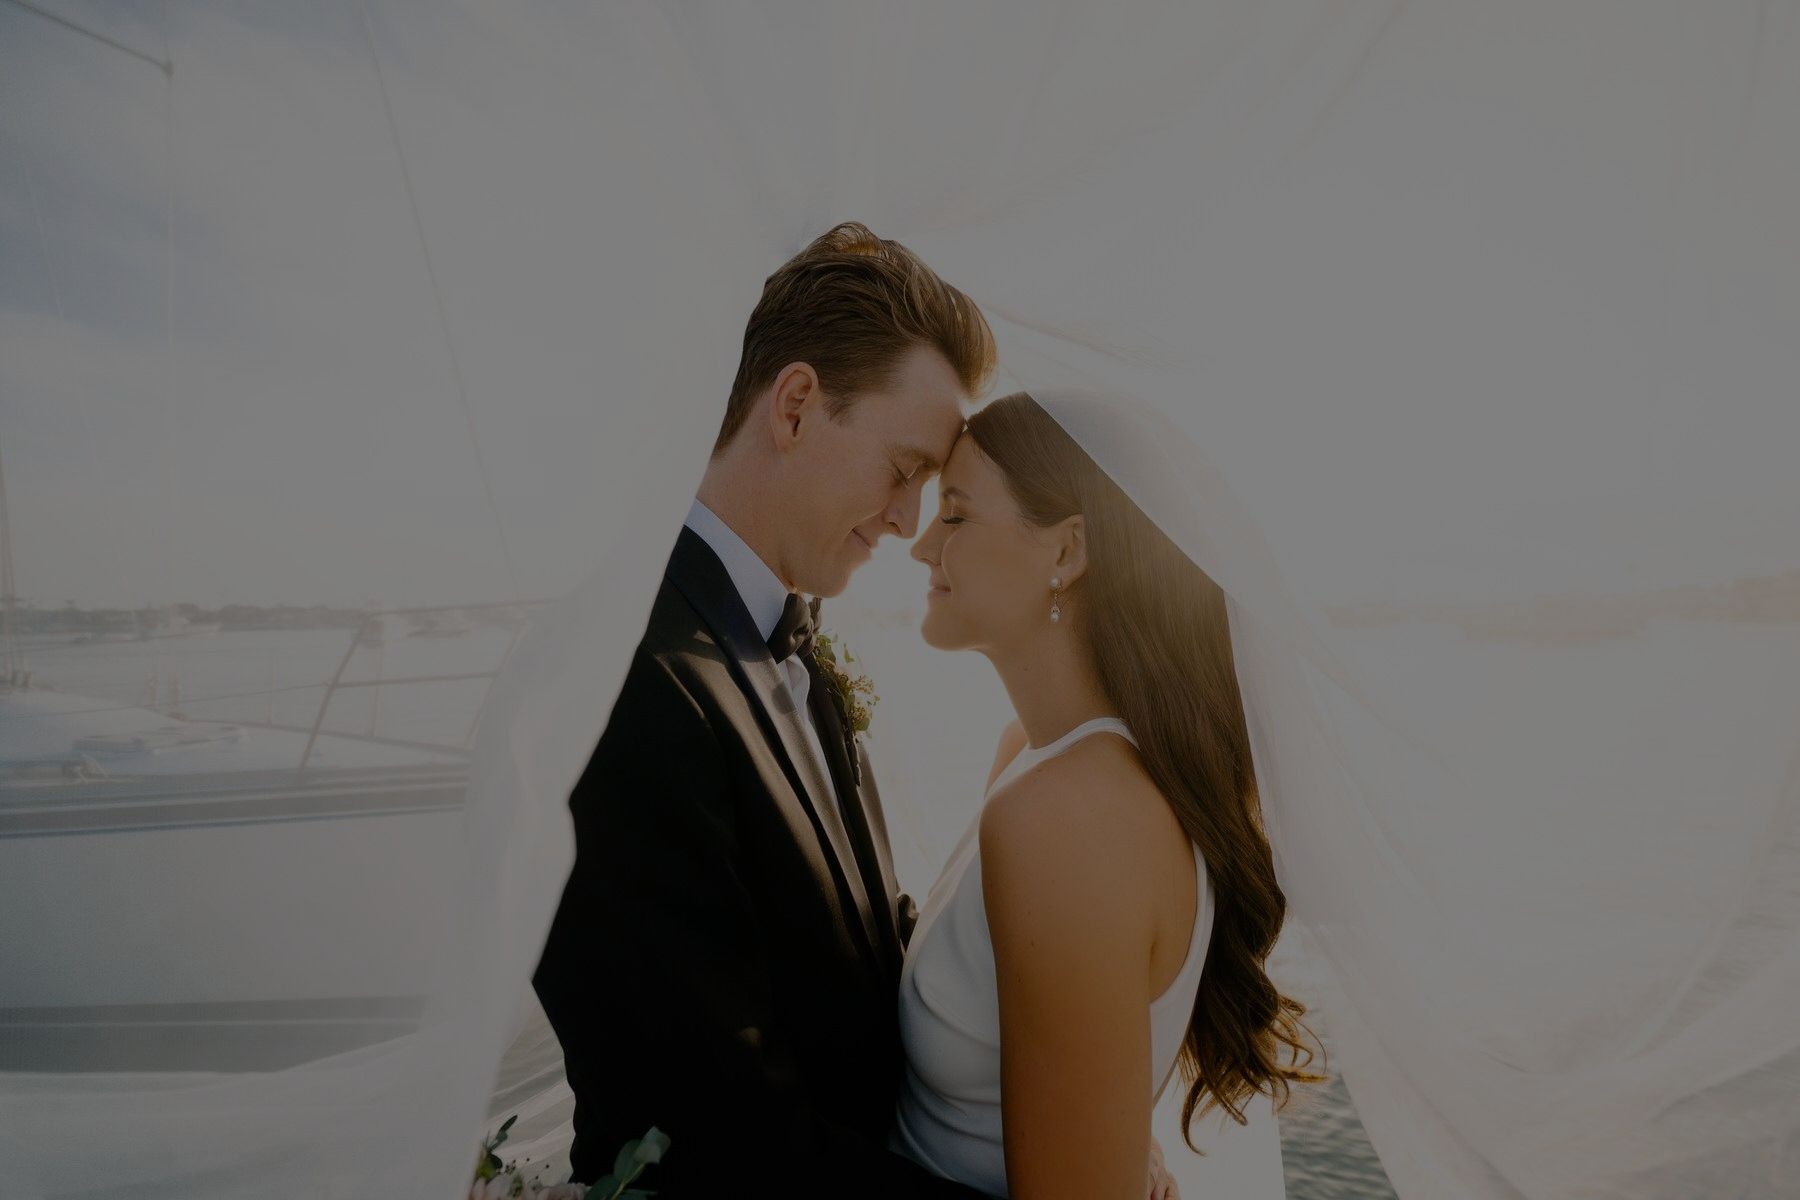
[{"x": 1325, "y": 1152}]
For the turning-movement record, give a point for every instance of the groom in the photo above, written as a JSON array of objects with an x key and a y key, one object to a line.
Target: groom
[{"x": 725, "y": 961}]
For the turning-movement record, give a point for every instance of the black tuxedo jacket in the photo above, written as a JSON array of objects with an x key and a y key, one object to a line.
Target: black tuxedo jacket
[{"x": 725, "y": 961}]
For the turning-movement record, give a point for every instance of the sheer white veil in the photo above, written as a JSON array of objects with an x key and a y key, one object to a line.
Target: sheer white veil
[
  {"x": 1455, "y": 341},
  {"x": 1516, "y": 999}
]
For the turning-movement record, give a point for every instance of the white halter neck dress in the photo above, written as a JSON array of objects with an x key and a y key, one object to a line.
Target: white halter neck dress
[{"x": 948, "y": 1116}]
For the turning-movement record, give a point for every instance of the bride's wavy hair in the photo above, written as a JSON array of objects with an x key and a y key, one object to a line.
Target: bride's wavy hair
[{"x": 1155, "y": 627}]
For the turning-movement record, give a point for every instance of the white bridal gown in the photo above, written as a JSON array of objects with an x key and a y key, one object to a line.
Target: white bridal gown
[{"x": 949, "y": 1112}]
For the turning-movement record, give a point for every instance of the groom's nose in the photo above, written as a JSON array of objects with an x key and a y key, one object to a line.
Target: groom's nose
[{"x": 902, "y": 516}]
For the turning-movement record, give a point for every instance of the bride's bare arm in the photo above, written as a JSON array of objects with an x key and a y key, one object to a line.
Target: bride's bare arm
[{"x": 1071, "y": 913}]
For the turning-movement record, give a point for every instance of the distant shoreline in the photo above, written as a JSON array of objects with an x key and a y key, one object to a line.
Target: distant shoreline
[{"x": 30, "y": 620}]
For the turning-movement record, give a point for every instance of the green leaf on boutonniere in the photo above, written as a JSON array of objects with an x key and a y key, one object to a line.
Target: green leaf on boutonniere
[{"x": 854, "y": 693}]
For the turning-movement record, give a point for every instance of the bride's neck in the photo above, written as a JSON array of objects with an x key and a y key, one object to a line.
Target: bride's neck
[{"x": 1052, "y": 685}]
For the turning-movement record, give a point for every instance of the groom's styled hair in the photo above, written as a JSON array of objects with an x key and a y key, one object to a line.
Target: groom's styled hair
[{"x": 851, "y": 305}]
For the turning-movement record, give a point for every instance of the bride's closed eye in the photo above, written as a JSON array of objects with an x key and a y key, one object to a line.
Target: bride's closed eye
[{"x": 951, "y": 520}]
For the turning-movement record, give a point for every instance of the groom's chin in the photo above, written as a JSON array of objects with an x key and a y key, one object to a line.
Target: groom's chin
[
  {"x": 829, "y": 584},
  {"x": 825, "y": 579}
]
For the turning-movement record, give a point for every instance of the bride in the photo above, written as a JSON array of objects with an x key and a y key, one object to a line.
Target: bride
[{"x": 1107, "y": 916}]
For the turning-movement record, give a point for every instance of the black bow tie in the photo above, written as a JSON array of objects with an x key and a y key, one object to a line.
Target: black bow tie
[{"x": 794, "y": 632}]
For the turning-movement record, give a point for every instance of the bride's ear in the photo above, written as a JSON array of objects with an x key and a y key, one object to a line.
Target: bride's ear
[{"x": 1071, "y": 549}]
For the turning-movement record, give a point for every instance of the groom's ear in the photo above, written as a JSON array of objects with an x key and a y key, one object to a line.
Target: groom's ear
[
  {"x": 794, "y": 392},
  {"x": 1071, "y": 548}
]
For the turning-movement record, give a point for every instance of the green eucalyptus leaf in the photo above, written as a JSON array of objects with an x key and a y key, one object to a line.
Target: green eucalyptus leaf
[{"x": 627, "y": 1158}]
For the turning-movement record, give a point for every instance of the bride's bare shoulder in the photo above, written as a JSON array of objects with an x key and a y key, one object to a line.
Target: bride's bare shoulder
[
  {"x": 1103, "y": 766},
  {"x": 1094, "y": 803},
  {"x": 1064, "y": 848},
  {"x": 1012, "y": 740}
]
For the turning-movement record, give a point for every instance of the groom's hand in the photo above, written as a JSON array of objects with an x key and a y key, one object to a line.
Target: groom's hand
[{"x": 1162, "y": 1184}]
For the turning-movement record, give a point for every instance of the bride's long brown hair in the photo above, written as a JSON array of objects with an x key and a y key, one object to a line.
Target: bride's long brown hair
[{"x": 1155, "y": 626}]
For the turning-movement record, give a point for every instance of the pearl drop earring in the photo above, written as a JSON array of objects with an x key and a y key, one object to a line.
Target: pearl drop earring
[{"x": 1056, "y": 598}]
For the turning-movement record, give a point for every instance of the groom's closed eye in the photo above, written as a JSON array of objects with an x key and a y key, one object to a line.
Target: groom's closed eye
[
  {"x": 914, "y": 463},
  {"x": 920, "y": 474}
]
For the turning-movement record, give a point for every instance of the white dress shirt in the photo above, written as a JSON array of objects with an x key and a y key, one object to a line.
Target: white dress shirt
[{"x": 765, "y": 596}]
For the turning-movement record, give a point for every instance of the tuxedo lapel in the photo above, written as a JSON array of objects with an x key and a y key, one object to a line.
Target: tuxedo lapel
[
  {"x": 868, "y": 836},
  {"x": 699, "y": 575},
  {"x": 901, "y": 909}
]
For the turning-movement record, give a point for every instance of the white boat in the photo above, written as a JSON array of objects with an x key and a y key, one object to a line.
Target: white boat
[{"x": 327, "y": 844}]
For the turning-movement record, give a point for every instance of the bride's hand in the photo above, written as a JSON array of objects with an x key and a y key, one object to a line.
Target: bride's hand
[{"x": 1162, "y": 1184}]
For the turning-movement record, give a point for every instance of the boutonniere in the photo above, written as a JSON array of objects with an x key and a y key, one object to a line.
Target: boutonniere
[{"x": 850, "y": 688}]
